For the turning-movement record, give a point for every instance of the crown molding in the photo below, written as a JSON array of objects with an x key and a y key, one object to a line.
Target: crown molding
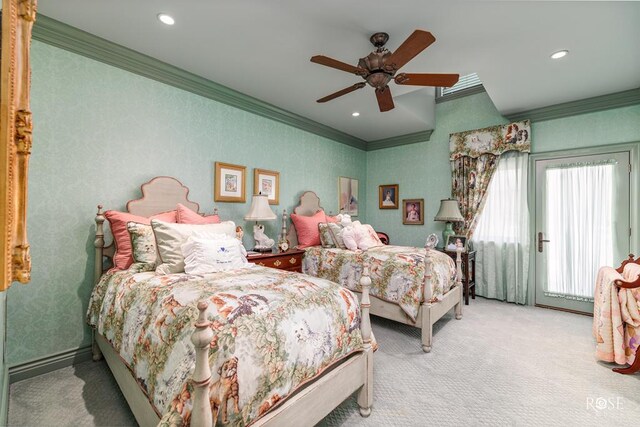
[
  {"x": 410, "y": 138},
  {"x": 582, "y": 106},
  {"x": 61, "y": 35}
]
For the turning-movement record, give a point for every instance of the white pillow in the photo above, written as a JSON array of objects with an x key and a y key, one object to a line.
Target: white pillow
[
  {"x": 203, "y": 256},
  {"x": 367, "y": 237},
  {"x": 170, "y": 237}
]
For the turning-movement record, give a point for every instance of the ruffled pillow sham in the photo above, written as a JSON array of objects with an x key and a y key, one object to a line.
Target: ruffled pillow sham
[
  {"x": 171, "y": 237},
  {"x": 202, "y": 256}
]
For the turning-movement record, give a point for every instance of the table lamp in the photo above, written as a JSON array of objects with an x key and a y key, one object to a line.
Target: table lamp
[
  {"x": 260, "y": 211},
  {"x": 450, "y": 213}
]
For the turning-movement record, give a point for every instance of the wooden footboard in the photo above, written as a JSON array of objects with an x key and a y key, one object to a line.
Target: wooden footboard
[{"x": 309, "y": 405}]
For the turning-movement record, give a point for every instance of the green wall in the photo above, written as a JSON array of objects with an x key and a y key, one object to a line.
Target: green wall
[
  {"x": 423, "y": 171},
  {"x": 4, "y": 376},
  {"x": 99, "y": 133}
]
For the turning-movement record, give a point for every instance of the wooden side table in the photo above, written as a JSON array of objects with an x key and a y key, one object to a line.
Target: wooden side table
[
  {"x": 290, "y": 260},
  {"x": 468, "y": 272}
]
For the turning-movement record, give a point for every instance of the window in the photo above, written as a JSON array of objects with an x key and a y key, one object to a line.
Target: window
[{"x": 466, "y": 82}]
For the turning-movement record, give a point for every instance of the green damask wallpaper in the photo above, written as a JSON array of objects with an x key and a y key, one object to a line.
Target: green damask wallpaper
[
  {"x": 99, "y": 133},
  {"x": 422, "y": 170}
]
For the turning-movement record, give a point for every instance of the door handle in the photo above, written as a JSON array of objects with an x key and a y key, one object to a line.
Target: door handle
[{"x": 541, "y": 241}]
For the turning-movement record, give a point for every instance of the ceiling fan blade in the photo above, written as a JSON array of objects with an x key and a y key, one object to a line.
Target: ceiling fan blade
[
  {"x": 338, "y": 65},
  {"x": 418, "y": 41},
  {"x": 385, "y": 101},
  {"x": 342, "y": 92},
  {"x": 439, "y": 80}
]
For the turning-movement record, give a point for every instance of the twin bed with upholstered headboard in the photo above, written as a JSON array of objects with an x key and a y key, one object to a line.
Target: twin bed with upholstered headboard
[
  {"x": 411, "y": 285},
  {"x": 249, "y": 345}
]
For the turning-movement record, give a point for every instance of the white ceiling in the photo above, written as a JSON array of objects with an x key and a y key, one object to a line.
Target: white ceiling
[{"x": 262, "y": 48}]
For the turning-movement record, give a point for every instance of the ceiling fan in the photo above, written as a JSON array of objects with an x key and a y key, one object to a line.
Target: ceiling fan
[{"x": 380, "y": 67}]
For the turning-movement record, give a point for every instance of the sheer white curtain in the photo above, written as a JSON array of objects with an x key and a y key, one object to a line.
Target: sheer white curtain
[
  {"x": 501, "y": 238},
  {"x": 579, "y": 205}
]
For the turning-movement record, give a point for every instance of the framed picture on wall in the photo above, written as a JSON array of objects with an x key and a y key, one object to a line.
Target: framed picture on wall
[
  {"x": 413, "y": 211},
  {"x": 267, "y": 182},
  {"x": 229, "y": 183},
  {"x": 348, "y": 195},
  {"x": 388, "y": 196},
  {"x": 452, "y": 242}
]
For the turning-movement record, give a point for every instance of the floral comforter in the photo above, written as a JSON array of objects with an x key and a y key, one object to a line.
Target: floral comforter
[
  {"x": 274, "y": 331},
  {"x": 616, "y": 316},
  {"x": 397, "y": 272}
]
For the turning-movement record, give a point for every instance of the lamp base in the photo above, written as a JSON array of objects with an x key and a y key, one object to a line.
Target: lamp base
[
  {"x": 262, "y": 249},
  {"x": 448, "y": 231}
]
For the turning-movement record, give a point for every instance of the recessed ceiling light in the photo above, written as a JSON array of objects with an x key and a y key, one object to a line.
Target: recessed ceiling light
[
  {"x": 559, "y": 54},
  {"x": 355, "y": 114},
  {"x": 166, "y": 19}
]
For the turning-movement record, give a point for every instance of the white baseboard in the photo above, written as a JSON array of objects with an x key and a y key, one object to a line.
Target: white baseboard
[{"x": 48, "y": 364}]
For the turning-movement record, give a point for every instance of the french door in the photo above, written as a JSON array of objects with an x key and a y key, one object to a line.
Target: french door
[{"x": 582, "y": 223}]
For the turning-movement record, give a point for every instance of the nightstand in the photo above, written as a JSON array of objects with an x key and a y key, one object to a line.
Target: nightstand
[
  {"x": 468, "y": 272},
  {"x": 290, "y": 260}
]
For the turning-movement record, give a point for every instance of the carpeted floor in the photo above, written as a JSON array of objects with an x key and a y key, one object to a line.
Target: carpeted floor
[{"x": 501, "y": 364}]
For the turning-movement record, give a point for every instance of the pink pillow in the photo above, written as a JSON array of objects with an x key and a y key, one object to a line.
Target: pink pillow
[
  {"x": 307, "y": 228},
  {"x": 187, "y": 216},
  {"x": 123, "y": 257},
  {"x": 332, "y": 218}
]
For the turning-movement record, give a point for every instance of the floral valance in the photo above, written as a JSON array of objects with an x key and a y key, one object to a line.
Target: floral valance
[{"x": 495, "y": 140}]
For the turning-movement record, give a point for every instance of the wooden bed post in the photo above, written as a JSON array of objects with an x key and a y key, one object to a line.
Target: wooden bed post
[
  {"x": 97, "y": 272},
  {"x": 365, "y": 395},
  {"x": 201, "y": 339},
  {"x": 458, "y": 308},
  {"x": 426, "y": 328}
]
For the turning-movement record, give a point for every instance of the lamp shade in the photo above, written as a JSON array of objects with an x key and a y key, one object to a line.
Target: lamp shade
[
  {"x": 449, "y": 211},
  {"x": 260, "y": 210}
]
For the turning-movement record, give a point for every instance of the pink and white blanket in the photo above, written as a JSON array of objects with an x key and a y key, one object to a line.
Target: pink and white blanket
[{"x": 616, "y": 316}]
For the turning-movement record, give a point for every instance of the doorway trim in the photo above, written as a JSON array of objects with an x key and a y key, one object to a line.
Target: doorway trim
[{"x": 634, "y": 198}]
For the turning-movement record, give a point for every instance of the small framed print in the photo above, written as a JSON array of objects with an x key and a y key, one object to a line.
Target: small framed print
[
  {"x": 388, "y": 196},
  {"x": 413, "y": 211},
  {"x": 267, "y": 182},
  {"x": 453, "y": 241},
  {"x": 229, "y": 183}
]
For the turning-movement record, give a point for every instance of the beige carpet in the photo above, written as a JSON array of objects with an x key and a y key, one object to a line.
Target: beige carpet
[{"x": 501, "y": 364}]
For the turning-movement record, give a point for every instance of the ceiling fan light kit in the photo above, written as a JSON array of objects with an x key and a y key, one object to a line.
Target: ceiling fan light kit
[{"x": 380, "y": 67}]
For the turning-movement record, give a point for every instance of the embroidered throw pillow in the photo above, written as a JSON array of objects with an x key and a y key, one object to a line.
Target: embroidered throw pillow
[
  {"x": 123, "y": 257},
  {"x": 326, "y": 239},
  {"x": 143, "y": 244},
  {"x": 171, "y": 237},
  {"x": 187, "y": 216},
  {"x": 202, "y": 256}
]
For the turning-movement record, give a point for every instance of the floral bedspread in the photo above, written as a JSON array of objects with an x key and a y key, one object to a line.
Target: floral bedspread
[
  {"x": 616, "y": 316},
  {"x": 274, "y": 331},
  {"x": 397, "y": 272}
]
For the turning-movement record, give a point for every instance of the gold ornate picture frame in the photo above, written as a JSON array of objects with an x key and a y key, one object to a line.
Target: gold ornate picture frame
[
  {"x": 18, "y": 17},
  {"x": 267, "y": 182},
  {"x": 229, "y": 183}
]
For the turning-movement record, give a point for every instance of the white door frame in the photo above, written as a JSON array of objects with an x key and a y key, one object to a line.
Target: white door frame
[{"x": 634, "y": 198}]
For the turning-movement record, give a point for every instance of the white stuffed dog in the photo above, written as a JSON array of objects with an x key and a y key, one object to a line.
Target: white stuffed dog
[{"x": 262, "y": 241}]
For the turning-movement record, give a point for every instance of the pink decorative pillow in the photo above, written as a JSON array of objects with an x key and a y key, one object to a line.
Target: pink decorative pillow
[
  {"x": 307, "y": 228},
  {"x": 332, "y": 218},
  {"x": 187, "y": 216},
  {"x": 123, "y": 257},
  {"x": 367, "y": 237}
]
